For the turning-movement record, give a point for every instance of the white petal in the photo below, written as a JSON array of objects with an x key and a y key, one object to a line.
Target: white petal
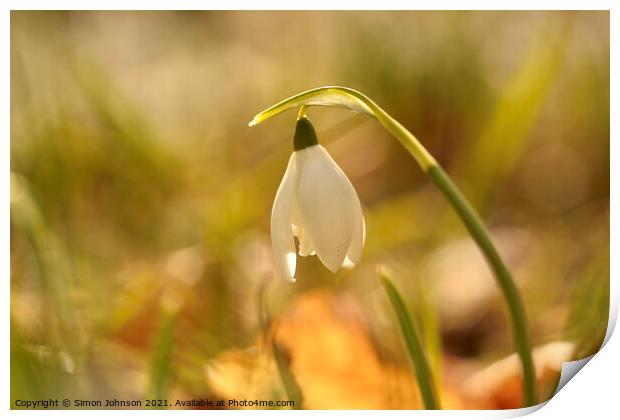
[
  {"x": 326, "y": 205},
  {"x": 348, "y": 263},
  {"x": 306, "y": 244},
  {"x": 281, "y": 227},
  {"x": 354, "y": 254},
  {"x": 298, "y": 226}
]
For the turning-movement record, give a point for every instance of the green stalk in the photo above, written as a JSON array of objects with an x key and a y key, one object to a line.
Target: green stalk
[
  {"x": 349, "y": 98},
  {"x": 414, "y": 347},
  {"x": 515, "y": 306},
  {"x": 480, "y": 235}
]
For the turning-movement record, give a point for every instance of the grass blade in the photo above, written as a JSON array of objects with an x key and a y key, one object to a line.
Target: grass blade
[
  {"x": 414, "y": 347},
  {"x": 162, "y": 354}
]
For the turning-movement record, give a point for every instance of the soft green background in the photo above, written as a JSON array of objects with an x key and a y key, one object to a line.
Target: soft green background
[{"x": 138, "y": 187}]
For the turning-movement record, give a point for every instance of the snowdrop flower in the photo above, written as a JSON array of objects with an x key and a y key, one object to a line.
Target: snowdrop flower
[{"x": 317, "y": 203}]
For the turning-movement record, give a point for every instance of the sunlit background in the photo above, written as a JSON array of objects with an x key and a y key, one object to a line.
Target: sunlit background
[{"x": 141, "y": 262}]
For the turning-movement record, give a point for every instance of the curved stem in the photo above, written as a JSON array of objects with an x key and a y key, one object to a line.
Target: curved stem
[
  {"x": 302, "y": 111},
  {"x": 515, "y": 306},
  {"x": 404, "y": 136},
  {"x": 349, "y": 98},
  {"x": 479, "y": 233}
]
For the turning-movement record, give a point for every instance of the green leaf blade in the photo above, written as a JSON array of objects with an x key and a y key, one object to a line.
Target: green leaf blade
[{"x": 412, "y": 342}]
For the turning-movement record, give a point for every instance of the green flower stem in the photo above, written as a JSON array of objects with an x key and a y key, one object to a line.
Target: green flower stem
[
  {"x": 351, "y": 99},
  {"x": 408, "y": 140},
  {"x": 414, "y": 347},
  {"x": 511, "y": 294},
  {"x": 481, "y": 236}
]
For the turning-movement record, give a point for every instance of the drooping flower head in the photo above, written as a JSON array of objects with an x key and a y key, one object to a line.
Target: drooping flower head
[{"x": 316, "y": 203}]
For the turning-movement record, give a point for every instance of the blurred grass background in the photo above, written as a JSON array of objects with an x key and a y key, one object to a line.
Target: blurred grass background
[{"x": 140, "y": 199}]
